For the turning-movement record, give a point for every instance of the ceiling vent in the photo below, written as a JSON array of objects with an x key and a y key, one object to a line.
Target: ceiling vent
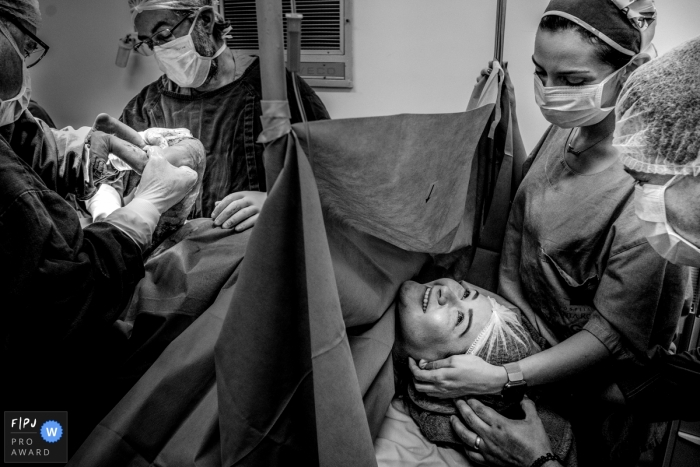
[{"x": 325, "y": 37}]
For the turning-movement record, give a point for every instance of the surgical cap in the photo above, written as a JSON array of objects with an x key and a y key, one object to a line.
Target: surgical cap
[
  {"x": 138, "y": 6},
  {"x": 625, "y": 25},
  {"x": 658, "y": 114},
  {"x": 23, "y": 10},
  {"x": 503, "y": 339}
]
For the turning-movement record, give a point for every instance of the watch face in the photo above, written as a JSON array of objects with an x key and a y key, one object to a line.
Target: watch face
[{"x": 514, "y": 391}]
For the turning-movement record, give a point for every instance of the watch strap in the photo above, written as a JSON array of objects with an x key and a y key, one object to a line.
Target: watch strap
[{"x": 515, "y": 374}]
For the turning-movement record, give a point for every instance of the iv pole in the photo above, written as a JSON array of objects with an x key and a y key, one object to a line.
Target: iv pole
[
  {"x": 273, "y": 77},
  {"x": 500, "y": 30}
]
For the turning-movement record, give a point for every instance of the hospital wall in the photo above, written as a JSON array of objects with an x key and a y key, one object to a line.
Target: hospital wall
[{"x": 417, "y": 56}]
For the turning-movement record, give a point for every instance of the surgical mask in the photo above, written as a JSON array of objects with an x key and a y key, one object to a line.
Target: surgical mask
[
  {"x": 12, "y": 109},
  {"x": 650, "y": 207},
  {"x": 180, "y": 61},
  {"x": 575, "y": 106}
]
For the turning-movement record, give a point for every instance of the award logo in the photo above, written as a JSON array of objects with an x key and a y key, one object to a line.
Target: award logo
[{"x": 36, "y": 437}]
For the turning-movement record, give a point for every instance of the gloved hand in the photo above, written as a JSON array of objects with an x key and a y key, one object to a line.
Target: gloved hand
[
  {"x": 97, "y": 168},
  {"x": 163, "y": 184},
  {"x": 104, "y": 203}
]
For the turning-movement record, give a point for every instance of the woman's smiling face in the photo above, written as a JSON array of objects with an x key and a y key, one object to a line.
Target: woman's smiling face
[{"x": 440, "y": 318}]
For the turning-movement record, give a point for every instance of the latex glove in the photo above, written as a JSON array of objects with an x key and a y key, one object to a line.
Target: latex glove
[
  {"x": 504, "y": 442},
  {"x": 104, "y": 203},
  {"x": 457, "y": 376},
  {"x": 97, "y": 168},
  {"x": 162, "y": 184},
  {"x": 239, "y": 210}
]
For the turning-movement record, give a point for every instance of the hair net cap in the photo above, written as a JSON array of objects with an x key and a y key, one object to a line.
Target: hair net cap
[
  {"x": 24, "y": 10},
  {"x": 503, "y": 339},
  {"x": 658, "y": 114},
  {"x": 626, "y": 25},
  {"x": 138, "y": 6}
]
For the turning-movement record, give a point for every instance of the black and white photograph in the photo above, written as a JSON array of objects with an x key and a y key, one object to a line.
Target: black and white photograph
[{"x": 348, "y": 233}]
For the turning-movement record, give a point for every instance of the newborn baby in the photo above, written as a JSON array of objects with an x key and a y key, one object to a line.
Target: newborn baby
[{"x": 115, "y": 148}]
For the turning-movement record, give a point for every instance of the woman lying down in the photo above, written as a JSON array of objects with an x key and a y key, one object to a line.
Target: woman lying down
[{"x": 437, "y": 320}]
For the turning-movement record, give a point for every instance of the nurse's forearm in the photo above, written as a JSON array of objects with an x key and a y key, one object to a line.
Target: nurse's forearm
[{"x": 570, "y": 357}]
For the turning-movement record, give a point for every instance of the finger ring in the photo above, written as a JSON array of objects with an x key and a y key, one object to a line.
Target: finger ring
[{"x": 477, "y": 442}]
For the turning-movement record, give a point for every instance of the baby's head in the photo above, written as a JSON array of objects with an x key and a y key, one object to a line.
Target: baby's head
[{"x": 445, "y": 317}]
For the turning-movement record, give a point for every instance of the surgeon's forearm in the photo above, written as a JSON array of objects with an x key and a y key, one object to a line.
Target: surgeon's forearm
[{"x": 570, "y": 357}]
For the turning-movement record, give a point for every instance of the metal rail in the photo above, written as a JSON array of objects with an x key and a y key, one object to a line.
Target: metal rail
[{"x": 500, "y": 30}]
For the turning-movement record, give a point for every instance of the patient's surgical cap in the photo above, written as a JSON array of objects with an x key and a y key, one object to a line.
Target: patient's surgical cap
[
  {"x": 24, "y": 10},
  {"x": 658, "y": 114},
  {"x": 503, "y": 339},
  {"x": 625, "y": 25},
  {"x": 138, "y": 6}
]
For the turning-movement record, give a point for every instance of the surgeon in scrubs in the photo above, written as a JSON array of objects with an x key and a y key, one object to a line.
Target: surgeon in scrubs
[
  {"x": 575, "y": 260},
  {"x": 214, "y": 92},
  {"x": 657, "y": 137},
  {"x": 62, "y": 286}
]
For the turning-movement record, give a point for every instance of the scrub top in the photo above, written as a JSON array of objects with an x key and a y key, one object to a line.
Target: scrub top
[
  {"x": 226, "y": 121},
  {"x": 574, "y": 258}
]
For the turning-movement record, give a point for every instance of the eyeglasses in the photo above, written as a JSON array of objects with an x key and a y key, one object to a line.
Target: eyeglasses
[
  {"x": 34, "y": 49},
  {"x": 145, "y": 47}
]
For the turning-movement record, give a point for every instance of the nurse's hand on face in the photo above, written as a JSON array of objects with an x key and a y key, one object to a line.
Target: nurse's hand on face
[
  {"x": 239, "y": 210},
  {"x": 456, "y": 376},
  {"x": 503, "y": 441}
]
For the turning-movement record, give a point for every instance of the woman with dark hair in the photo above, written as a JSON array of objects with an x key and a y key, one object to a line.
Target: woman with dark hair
[{"x": 575, "y": 260}]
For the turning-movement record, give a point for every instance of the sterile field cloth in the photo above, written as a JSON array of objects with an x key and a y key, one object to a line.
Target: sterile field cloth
[
  {"x": 303, "y": 362},
  {"x": 173, "y": 413}
]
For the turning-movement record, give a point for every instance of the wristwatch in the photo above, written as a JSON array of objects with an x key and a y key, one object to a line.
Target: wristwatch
[{"x": 514, "y": 390}]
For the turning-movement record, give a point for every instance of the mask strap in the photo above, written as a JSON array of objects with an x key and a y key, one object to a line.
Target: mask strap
[
  {"x": 194, "y": 21},
  {"x": 618, "y": 73},
  {"x": 672, "y": 181},
  {"x": 220, "y": 51}
]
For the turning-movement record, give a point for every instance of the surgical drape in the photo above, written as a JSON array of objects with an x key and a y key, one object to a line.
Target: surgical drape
[{"x": 303, "y": 357}]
